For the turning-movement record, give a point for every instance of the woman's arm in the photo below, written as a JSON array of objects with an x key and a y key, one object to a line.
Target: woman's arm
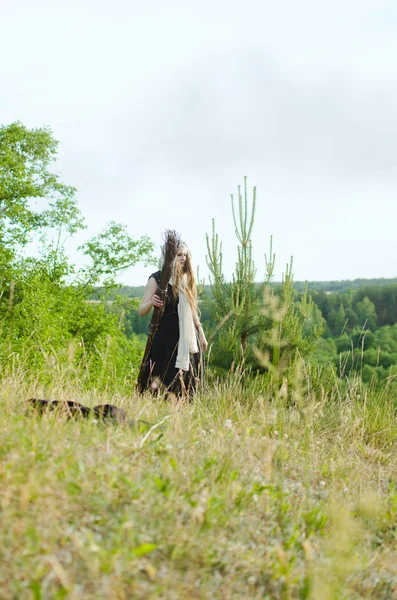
[{"x": 150, "y": 298}]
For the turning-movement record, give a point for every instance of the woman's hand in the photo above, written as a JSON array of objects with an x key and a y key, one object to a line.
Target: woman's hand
[
  {"x": 156, "y": 301},
  {"x": 203, "y": 339}
]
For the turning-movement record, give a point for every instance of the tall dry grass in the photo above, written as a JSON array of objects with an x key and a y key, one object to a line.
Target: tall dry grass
[{"x": 245, "y": 492}]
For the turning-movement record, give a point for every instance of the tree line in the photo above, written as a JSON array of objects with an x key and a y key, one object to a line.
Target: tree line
[{"x": 299, "y": 286}]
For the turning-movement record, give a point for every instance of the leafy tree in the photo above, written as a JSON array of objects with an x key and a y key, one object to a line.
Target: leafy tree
[
  {"x": 369, "y": 374},
  {"x": 366, "y": 314},
  {"x": 371, "y": 357},
  {"x": 325, "y": 351},
  {"x": 43, "y": 307},
  {"x": 340, "y": 321},
  {"x": 351, "y": 318},
  {"x": 343, "y": 343},
  {"x": 114, "y": 250},
  {"x": 25, "y": 156}
]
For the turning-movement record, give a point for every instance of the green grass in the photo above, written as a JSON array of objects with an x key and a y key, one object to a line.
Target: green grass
[{"x": 235, "y": 495}]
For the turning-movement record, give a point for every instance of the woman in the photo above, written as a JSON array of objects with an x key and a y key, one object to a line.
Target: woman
[{"x": 175, "y": 357}]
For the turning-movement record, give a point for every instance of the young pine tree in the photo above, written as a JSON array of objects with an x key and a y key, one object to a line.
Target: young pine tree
[{"x": 257, "y": 326}]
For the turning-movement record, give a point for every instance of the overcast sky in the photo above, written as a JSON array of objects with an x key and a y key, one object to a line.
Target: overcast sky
[{"x": 161, "y": 108}]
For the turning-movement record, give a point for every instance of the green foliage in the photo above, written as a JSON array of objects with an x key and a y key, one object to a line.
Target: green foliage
[
  {"x": 365, "y": 310},
  {"x": 371, "y": 356},
  {"x": 257, "y": 328},
  {"x": 46, "y": 324},
  {"x": 134, "y": 322},
  {"x": 237, "y": 303},
  {"x": 370, "y": 307},
  {"x": 53, "y": 329},
  {"x": 362, "y": 347},
  {"x": 113, "y": 250},
  {"x": 25, "y": 157}
]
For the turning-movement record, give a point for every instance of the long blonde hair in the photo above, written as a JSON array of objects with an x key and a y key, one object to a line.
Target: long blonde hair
[{"x": 188, "y": 283}]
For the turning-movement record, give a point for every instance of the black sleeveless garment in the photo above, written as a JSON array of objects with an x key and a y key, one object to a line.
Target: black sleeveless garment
[{"x": 161, "y": 373}]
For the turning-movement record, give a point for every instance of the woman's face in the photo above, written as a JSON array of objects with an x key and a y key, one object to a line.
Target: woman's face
[{"x": 181, "y": 255}]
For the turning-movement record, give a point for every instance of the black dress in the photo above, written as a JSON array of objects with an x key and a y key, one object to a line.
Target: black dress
[{"x": 161, "y": 373}]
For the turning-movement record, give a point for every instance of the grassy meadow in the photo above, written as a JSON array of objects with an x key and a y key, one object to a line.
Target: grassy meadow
[{"x": 243, "y": 493}]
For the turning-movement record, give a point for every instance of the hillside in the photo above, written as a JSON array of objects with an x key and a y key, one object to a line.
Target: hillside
[{"x": 237, "y": 495}]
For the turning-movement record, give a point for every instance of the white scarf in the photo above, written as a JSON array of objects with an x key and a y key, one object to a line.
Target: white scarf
[{"x": 187, "y": 334}]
